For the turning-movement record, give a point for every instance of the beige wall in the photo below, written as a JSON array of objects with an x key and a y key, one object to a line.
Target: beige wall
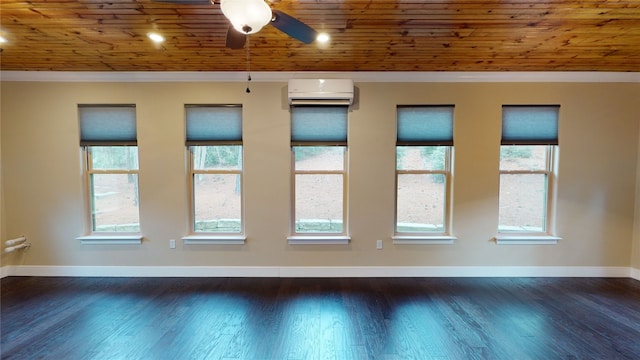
[
  {"x": 43, "y": 193},
  {"x": 2, "y": 234},
  {"x": 635, "y": 251}
]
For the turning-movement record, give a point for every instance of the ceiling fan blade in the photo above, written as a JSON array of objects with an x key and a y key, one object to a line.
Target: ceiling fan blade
[
  {"x": 185, "y": 2},
  {"x": 235, "y": 39},
  {"x": 293, "y": 27}
]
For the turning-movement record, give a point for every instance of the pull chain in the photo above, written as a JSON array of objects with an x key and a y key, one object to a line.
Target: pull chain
[{"x": 248, "y": 65}]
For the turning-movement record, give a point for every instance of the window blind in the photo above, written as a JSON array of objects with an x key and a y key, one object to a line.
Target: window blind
[
  {"x": 213, "y": 124},
  {"x": 530, "y": 125},
  {"x": 425, "y": 125},
  {"x": 315, "y": 125},
  {"x": 107, "y": 125}
]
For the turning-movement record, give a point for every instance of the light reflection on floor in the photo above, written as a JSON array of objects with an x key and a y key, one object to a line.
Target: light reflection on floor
[{"x": 316, "y": 328}]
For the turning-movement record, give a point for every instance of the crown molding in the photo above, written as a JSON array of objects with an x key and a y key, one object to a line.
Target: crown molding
[{"x": 266, "y": 76}]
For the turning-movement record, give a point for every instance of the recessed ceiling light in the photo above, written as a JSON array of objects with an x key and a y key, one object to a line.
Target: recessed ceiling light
[
  {"x": 155, "y": 37},
  {"x": 3, "y": 40},
  {"x": 323, "y": 38}
]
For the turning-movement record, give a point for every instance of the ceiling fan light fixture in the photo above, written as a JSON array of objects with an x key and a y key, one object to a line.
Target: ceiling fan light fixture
[
  {"x": 155, "y": 37},
  {"x": 246, "y": 16},
  {"x": 323, "y": 38}
]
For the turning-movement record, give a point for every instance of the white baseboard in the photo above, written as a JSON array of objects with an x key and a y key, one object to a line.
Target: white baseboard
[
  {"x": 4, "y": 272},
  {"x": 145, "y": 271},
  {"x": 455, "y": 271},
  {"x": 322, "y": 271}
]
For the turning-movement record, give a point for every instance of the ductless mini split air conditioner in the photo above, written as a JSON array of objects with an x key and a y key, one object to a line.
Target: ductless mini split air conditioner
[{"x": 320, "y": 92}]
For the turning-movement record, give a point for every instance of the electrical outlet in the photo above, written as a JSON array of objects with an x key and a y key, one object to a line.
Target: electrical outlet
[
  {"x": 172, "y": 244},
  {"x": 379, "y": 244}
]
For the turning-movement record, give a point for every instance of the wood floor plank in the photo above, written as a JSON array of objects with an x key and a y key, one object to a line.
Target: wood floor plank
[{"x": 360, "y": 318}]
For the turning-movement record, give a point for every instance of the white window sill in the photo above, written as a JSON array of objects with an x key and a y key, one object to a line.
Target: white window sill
[
  {"x": 527, "y": 239},
  {"x": 319, "y": 240},
  {"x": 214, "y": 240},
  {"x": 423, "y": 239},
  {"x": 110, "y": 239}
]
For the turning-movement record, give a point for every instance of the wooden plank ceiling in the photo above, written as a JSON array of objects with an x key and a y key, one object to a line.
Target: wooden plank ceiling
[{"x": 403, "y": 35}]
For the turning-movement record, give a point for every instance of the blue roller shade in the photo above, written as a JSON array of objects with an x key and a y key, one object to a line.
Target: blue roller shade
[
  {"x": 213, "y": 124},
  {"x": 425, "y": 125},
  {"x": 319, "y": 125},
  {"x": 530, "y": 125},
  {"x": 107, "y": 124}
]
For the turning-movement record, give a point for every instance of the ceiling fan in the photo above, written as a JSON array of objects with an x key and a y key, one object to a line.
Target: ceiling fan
[{"x": 250, "y": 16}]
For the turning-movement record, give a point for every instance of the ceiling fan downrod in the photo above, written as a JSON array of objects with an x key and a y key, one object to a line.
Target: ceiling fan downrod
[{"x": 248, "y": 65}]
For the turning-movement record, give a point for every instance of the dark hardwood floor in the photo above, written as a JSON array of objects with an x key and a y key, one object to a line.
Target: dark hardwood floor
[{"x": 255, "y": 318}]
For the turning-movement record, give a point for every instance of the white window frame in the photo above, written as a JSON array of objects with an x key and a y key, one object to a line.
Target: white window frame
[
  {"x": 213, "y": 238},
  {"x": 303, "y": 238},
  {"x": 548, "y": 235},
  {"x": 202, "y": 237},
  {"x": 320, "y": 237},
  {"x": 428, "y": 237},
  {"x": 120, "y": 132},
  {"x": 424, "y": 139},
  {"x": 104, "y": 237}
]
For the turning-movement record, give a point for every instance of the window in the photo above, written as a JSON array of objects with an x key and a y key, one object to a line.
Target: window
[
  {"x": 423, "y": 172},
  {"x": 319, "y": 162},
  {"x": 527, "y": 163},
  {"x": 214, "y": 140},
  {"x": 108, "y": 140}
]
